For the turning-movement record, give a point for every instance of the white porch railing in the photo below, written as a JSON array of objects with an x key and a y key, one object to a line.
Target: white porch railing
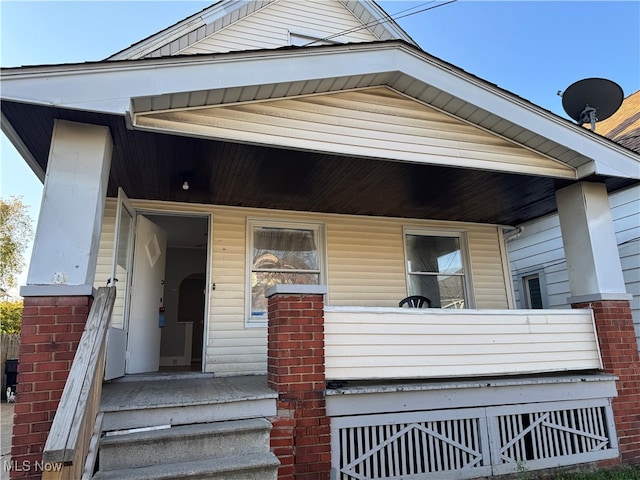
[{"x": 389, "y": 343}]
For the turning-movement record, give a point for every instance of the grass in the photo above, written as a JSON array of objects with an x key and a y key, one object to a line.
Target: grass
[{"x": 615, "y": 473}]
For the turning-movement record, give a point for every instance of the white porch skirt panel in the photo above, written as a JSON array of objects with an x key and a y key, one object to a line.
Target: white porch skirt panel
[
  {"x": 470, "y": 443},
  {"x": 461, "y": 443}
]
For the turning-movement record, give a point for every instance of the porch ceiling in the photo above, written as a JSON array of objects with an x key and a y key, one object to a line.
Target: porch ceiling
[{"x": 153, "y": 166}]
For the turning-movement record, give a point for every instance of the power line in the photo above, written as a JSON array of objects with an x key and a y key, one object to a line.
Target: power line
[{"x": 390, "y": 18}]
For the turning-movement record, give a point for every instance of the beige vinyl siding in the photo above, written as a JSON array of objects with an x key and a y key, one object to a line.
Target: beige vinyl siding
[
  {"x": 373, "y": 122},
  {"x": 105, "y": 252},
  {"x": 365, "y": 267},
  {"x": 487, "y": 268},
  {"x": 395, "y": 343},
  {"x": 366, "y": 262},
  {"x": 270, "y": 27}
]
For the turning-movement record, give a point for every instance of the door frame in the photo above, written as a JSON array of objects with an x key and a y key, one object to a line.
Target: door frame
[
  {"x": 117, "y": 337},
  {"x": 160, "y": 212}
]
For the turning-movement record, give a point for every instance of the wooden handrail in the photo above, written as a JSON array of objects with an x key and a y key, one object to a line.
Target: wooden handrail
[{"x": 73, "y": 425}]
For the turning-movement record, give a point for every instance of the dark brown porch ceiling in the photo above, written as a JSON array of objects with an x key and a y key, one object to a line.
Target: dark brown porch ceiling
[{"x": 153, "y": 166}]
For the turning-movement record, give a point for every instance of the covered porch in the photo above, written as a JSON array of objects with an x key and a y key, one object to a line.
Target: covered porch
[
  {"x": 442, "y": 394},
  {"x": 362, "y": 156}
]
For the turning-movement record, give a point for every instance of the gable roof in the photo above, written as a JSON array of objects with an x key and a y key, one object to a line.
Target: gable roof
[
  {"x": 178, "y": 93},
  {"x": 186, "y": 82},
  {"x": 182, "y": 37}
]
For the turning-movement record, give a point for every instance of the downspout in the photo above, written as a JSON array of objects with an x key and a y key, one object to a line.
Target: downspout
[{"x": 513, "y": 233}]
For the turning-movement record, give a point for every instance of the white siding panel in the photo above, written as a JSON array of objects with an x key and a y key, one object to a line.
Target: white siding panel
[
  {"x": 270, "y": 27},
  {"x": 374, "y": 122},
  {"x": 625, "y": 210},
  {"x": 390, "y": 343},
  {"x": 540, "y": 249},
  {"x": 365, "y": 260}
]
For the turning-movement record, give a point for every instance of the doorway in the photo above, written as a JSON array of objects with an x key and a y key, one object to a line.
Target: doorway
[
  {"x": 184, "y": 296},
  {"x": 153, "y": 253}
]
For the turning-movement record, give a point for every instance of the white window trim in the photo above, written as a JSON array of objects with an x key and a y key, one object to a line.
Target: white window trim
[
  {"x": 461, "y": 235},
  {"x": 318, "y": 227},
  {"x": 524, "y": 288}
]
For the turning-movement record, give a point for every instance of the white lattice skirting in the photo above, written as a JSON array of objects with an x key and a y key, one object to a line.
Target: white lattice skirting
[{"x": 472, "y": 442}]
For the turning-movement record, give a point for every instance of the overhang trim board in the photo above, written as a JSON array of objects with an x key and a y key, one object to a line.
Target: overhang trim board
[{"x": 110, "y": 87}]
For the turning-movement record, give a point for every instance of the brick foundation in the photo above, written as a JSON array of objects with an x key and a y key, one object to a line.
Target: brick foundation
[
  {"x": 301, "y": 436},
  {"x": 620, "y": 357},
  {"x": 51, "y": 331}
]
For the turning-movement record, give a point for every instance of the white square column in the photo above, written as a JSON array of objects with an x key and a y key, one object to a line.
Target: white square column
[
  {"x": 65, "y": 250},
  {"x": 591, "y": 251}
]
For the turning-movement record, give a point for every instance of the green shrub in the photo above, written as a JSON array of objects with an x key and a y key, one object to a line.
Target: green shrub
[{"x": 10, "y": 316}]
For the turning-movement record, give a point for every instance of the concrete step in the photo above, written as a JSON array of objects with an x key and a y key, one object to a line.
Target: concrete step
[
  {"x": 184, "y": 443},
  {"x": 261, "y": 466},
  {"x": 182, "y": 400},
  {"x": 152, "y": 416}
]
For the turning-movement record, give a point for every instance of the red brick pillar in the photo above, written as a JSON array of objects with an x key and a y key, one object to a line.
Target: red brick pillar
[
  {"x": 301, "y": 436},
  {"x": 619, "y": 350},
  {"x": 51, "y": 331}
]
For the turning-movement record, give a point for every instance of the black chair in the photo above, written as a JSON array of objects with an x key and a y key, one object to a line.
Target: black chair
[{"x": 415, "y": 301}]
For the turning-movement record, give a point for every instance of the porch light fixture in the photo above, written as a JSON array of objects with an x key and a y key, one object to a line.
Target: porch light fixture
[{"x": 185, "y": 185}]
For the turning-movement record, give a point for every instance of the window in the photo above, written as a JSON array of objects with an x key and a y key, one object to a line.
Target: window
[
  {"x": 436, "y": 268},
  {"x": 532, "y": 288},
  {"x": 281, "y": 253}
]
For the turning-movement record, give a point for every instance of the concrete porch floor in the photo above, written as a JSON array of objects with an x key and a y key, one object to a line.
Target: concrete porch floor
[{"x": 181, "y": 389}]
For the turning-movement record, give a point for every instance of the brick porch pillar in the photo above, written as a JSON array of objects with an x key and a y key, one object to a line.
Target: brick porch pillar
[
  {"x": 301, "y": 436},
  {"x": 59, "y": 288},
  {"x": 51, "y": 331},
  {"x": 620, "y": 356},
  {"x": 596, "y": 282}
]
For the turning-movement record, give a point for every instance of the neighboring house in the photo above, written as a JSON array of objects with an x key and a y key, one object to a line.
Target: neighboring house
[
  {"x": 537, "y": 257},
  {"x": 306, "y": 172}
]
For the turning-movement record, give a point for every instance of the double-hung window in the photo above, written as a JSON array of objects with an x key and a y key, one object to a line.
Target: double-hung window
[
  {"x": 437, "y": 267},
  {"x": 281, "y": 253}
]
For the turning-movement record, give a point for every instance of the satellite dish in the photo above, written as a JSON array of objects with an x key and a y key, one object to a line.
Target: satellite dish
[{"x": 592, "y": 100}]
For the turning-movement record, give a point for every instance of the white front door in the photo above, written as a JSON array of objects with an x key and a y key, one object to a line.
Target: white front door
[{"x": 147, "y": 291}]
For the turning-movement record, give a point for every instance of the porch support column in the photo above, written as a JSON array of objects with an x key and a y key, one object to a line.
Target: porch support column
[
  {"x": 596, "y": 282},
  {"x": 59, "y": 289},
  {"x": 301, "y": 435},
  {"x": 65, "y": 249}
]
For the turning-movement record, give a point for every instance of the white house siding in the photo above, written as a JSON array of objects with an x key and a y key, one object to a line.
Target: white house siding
[
  {"x": 539, "y": 250},
  {"x": 367, "y": 343},
  {"x": 271, "y": 26},
  {"x": 374, "y": 122},
  {"x": 365, "y": 258}
]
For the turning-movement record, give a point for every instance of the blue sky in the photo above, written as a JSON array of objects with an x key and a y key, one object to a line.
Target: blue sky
[{"x": 533, "y": 49}]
